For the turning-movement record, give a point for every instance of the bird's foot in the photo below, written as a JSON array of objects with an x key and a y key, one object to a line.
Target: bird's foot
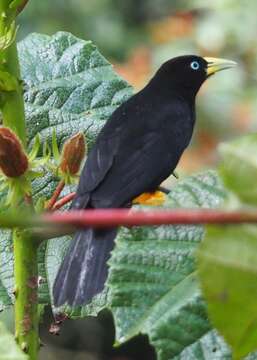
[{"x": 156, "y": 198}]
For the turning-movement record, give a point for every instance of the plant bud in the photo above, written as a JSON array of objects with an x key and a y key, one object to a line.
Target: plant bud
[
  {"x": 13, "y": 160},
  {"x": 73, "y": 153}
]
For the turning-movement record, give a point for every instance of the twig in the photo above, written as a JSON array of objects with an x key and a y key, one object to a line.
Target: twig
[
  {"x": 63, "y": 201},
  {"x": 55, "y": 195},
  {"x": 119, "y": 217},
  {"x": 69, "y": 220}
]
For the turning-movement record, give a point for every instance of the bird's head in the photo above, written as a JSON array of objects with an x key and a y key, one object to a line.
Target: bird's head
[{"x": 187, "y": 73}]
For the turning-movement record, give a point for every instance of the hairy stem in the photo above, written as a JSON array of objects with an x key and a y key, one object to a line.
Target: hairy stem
[
  {"x": 58, "y": 222},
  {"x": 25, "y": 250},
  {"x": 12, "y": 104},
  {"x": 123, "y": 217},
  {"x": 26, "y": 283}
]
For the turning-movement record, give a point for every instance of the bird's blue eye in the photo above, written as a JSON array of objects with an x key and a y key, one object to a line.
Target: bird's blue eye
[{"x": 195, "y": 65}]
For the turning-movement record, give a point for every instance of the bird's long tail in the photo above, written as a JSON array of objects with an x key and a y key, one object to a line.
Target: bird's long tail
[{"x": 84, "y": 269}]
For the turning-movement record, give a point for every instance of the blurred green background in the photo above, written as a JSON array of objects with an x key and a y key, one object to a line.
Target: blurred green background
[{"x": 138, "y": 35}]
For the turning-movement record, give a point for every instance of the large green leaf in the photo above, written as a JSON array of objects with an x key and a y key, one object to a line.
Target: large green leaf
[
  {"x": 153, "y": 288},
  {"x": 228, "y": 272},
  {"x": 69, "y": 86},
  {"x": 9, "y": 349}
]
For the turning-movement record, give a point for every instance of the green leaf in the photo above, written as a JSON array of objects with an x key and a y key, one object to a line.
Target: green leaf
[
  {"x": 239, "y": 167},
  {"x": 227, "y": 261},
  {"x": 9, "y": 350},
  {"x": 70, "y": 86},
  {"x": 153, "y": 289}
]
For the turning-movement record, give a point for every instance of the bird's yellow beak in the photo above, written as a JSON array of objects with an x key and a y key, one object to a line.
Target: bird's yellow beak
[{"x": 214, "y": 65}]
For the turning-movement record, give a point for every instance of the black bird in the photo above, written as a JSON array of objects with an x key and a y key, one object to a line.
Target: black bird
[{"x": 137, "y": 149}]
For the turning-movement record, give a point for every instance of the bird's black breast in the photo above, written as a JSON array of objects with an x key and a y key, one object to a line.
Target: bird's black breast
[{"x": 137, "y": 149}]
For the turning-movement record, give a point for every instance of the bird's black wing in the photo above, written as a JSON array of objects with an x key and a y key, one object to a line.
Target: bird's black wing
[
  {"x": 137, "y": 168},
  {"x": 99, "y": 161},
  {"x": 133, "y": 154}
]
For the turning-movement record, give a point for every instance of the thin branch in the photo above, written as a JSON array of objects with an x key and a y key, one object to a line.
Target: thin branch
[
  {"x": 63, "y": 201},
  {"x": 124, "y": 217},
  {"x": 55, "y": 195},
  {"x": 68, "y": 220}
]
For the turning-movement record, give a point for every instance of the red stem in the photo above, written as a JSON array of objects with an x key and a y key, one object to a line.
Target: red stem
[
  {"x": 55, "y": 195},
  {"x": 118, "y": 217},
  {"x": 63, "y": 201}
]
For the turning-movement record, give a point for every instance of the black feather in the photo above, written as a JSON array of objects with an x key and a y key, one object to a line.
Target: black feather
[{"x": 84, "y": 269}]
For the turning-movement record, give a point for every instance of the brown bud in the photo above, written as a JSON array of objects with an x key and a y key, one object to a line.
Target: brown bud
[
  {"x": 13, "y": 160},
  {"x": 73, "y": 153}
]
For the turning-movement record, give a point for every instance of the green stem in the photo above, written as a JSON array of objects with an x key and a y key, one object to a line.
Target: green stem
[
  {"x": 25, "y": 249},
  {"x": 26, "y": 283},
  {"x": 12, "y": 104}
]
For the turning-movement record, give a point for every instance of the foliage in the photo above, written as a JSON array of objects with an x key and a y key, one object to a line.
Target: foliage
[{"x": 153, "y": 285}]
